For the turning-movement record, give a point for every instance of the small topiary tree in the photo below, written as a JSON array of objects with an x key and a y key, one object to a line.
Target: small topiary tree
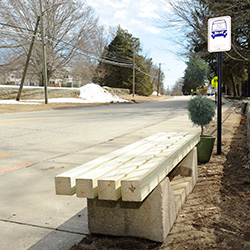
[{"x": 201, "y": 111}]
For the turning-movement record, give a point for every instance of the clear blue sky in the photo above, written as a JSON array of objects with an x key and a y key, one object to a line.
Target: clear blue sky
[{"x": 140, "y": 17}]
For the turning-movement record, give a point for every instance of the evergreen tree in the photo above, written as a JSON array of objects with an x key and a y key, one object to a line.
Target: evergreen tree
[
  {"x": 143, "y": 84},
  {"x": 196, "y": 73},
  {"x": 116, "y": 69}
]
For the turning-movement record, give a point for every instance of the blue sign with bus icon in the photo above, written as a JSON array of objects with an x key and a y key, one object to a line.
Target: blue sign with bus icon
[{"x": 219, "y": 28}]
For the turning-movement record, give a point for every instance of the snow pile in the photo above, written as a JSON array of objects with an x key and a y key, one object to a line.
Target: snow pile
[
  {"x": 16, "y": 102},
  {"x": 62, "y": 100},
  {"x": 89, "y": 93},
  {"x": 94, "y": 93},
  {"x": 155, "y": 93}
]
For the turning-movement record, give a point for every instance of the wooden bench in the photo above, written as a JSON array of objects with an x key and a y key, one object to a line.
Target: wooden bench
[{"x": 123, "y": 183}]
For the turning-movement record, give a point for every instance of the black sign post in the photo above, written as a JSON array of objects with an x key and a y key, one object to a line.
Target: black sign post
[
  {"x": 219, "y": 40},
  {"x": 219, "y": 103}
]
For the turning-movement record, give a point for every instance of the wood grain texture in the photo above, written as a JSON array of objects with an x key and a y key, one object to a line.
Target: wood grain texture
[
  {"x": 131, "y": 159},
  {"x": 109, "y": 185},
  {"x": 65, "y": 183},
  {"x": 131, "y": 172},
  {"x": 137, "y": 185}
]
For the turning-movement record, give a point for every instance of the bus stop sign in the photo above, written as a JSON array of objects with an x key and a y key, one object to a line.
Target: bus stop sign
[{"x": 219, "y": 34}]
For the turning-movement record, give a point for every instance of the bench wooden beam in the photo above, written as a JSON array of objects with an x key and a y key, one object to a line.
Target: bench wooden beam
[
  {"x": 109, "y": 186},
  {"x": 65, "y": 183},
  {"x": 104, "y": 181},
  {"x": 136, "y": 186},
  {"x": 131, "y": 172}
]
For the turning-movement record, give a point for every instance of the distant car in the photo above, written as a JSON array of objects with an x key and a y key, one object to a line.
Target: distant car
[
  {"x": 219, "y": 28},
  {"x": 210, "y": 91}
]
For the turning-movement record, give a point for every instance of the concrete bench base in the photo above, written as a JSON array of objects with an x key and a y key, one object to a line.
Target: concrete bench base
[{"x": 154, "y": 217}]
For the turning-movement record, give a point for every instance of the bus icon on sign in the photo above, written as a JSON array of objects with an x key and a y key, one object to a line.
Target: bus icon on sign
[
  {"x": 219, "y": 34},
  {"x": 219, "y": 28}
]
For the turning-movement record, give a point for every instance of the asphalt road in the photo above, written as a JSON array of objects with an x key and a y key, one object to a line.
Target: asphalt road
[{"x": 36, "y": 146}]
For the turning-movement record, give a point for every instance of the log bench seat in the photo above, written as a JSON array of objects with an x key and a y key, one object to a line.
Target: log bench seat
[{"x": 138, "y": 189}]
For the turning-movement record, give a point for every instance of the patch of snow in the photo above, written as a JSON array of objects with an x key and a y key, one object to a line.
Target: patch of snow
[
  {"x": 61, "y": 100},
  {"x": 16, "y": 102},
  {"x": 155, "y": 93},
  {"x": 89, "y": 93},
  {"x": 35, "y": 87},
  {"x": 9, "y": 86},
  {"x": 92, "y": 93}
]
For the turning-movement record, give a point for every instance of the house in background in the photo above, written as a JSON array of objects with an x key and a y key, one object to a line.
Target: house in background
[
  {"x": 60, "y": 79},
  {"x": 15, "y": 77}
]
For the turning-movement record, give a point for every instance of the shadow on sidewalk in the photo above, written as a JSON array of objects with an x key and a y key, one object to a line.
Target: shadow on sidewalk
[{"x": 65, "y": 236}]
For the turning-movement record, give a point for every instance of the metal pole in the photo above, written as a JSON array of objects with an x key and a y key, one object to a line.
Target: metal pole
[
  {"x": 45, "y": 73},
  {"x": 133, "y": 91},
  {"x": 159, "y": 79},
  {"x": 219, "y": 103}
]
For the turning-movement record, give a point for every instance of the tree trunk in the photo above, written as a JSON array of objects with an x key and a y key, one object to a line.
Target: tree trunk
[
  {"x": 233, "y": 85},
  {"x": 239, "y": 85},
  {"x": 248, "y": 85},
  {"x": 226, "y": 89}
]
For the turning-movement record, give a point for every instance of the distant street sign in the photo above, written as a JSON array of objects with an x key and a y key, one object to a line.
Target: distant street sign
[{"x": 219, "y": 34}]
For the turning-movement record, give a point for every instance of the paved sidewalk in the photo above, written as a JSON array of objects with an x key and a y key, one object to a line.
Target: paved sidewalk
[
  {"x": 216, "y": 214},
  {"x": 56, "y": 233}
]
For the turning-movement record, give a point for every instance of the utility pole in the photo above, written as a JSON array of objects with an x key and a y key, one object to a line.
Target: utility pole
[
  {"x": 159, "y": 79},
  {"x": 45, "y": 73},
  {"x": 133, "y": 91},
  {"x": 27, "y": 61}
]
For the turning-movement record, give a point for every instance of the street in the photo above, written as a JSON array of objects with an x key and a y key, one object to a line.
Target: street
[{"x": 37, "y": 146}]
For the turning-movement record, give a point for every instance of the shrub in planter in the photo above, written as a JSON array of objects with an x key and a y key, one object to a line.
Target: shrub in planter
[{"x": 201, "y": 112}]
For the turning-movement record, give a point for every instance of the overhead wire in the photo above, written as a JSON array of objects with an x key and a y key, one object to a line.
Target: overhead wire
[
  {"x": 91, "y": 55},
  {"x": 16, "y": 27},
  {"x": 144, "y": 72},
  {"x": 16, "y": 32},
  {"x": 105, "y": 59},
  {"x": 119, "y": 64}
]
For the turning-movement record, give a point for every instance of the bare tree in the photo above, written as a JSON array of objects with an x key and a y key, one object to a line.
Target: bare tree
[
  {"x": 177, "y": 88},
  {"x": 70, "y": 27},
  {"x": 157, "y": 78},
  {"x": 190, "y": 20},
  {"x": 84, "y": 65}
]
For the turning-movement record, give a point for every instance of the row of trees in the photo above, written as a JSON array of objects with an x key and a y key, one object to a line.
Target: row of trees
[
  {"x": 74, "y": 40},
  {"x": 191, "y": 18}
]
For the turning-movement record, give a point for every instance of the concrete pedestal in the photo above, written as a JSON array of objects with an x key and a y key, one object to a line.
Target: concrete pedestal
[{"x": 154, "y": 217}]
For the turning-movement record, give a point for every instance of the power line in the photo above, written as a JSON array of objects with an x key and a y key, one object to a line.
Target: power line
[
  {"x": 16, "y": 32},
  {"x": 108, "y": 61},
  {"x": 118, "y": 58},
  {"x": 16, "y": 27},
  {"x": 52, "y": 39},
  {"x": 145, "y": 72},
  {"x": 122, "y": 64},
  {"x": 100, "y": 59}
]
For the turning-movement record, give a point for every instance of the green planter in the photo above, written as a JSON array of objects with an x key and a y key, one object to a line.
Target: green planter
[{"x": 205, "y": 148}]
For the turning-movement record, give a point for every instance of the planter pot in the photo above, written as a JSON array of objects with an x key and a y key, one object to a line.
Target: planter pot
[
  {"x": 205, "y": 148},
  {"x": 203, "y": 91}
]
